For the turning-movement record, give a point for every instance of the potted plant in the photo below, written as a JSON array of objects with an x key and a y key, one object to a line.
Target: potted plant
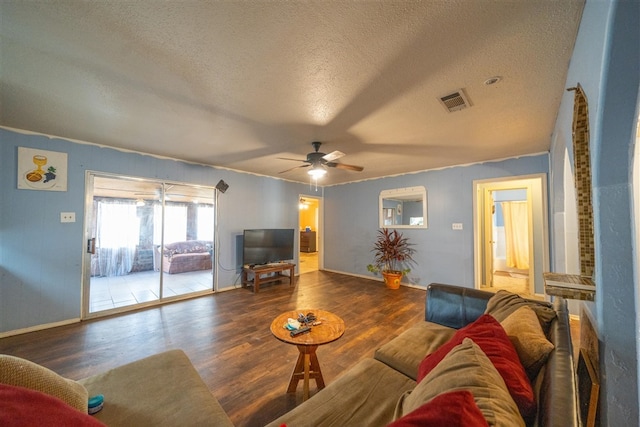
[{"x": 392, "y": 254}]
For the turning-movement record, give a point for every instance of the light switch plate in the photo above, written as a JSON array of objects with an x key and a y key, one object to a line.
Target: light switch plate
[{"x": 456, "y": 226}]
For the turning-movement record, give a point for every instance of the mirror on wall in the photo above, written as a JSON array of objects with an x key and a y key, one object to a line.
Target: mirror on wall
[{"x": 403, "y": 208}]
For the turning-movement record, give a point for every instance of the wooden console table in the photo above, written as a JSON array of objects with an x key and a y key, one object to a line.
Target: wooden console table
[{"x": 266, "y": 270}]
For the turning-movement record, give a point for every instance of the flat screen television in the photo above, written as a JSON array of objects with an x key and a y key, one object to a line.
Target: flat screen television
[{"x": 267, "y": 245}]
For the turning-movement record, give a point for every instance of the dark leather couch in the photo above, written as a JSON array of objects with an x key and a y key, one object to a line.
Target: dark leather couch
[{"x": 455, "y": 306}]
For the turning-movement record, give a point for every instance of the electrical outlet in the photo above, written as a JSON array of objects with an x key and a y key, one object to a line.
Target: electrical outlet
[
  {"x": 67, "y": 217},
  {"x": 456, "y": 226}
]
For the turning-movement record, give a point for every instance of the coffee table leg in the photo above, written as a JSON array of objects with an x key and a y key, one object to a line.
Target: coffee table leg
[
  {"x": 307, "y": 368},
  {"x": 295, "y": 375},
  {"x": 305, "y": 383},
  {"x": 315, "y": 369}
]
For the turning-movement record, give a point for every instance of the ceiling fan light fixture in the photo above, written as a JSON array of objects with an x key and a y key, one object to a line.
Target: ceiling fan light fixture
[{"x": 317, "y": 172}]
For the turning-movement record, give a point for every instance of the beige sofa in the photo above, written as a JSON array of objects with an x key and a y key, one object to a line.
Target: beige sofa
[
  {"x": 381, "y": 389},
  {"x": 161, "y": 390}
]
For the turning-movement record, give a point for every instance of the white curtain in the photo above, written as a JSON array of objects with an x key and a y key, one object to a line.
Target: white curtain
[
  {"x": 205, "y": 223},
  {"x": 516, "y": 231},
  {"x": 175, "y": 223},
  {"x": 116, "y": 237}
]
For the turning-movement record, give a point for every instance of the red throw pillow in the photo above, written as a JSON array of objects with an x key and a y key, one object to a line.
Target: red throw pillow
[
  {"x": 490, "y": 336},
  {"x": 23, "y": 407},
  {"x": 452, "y": 409}
]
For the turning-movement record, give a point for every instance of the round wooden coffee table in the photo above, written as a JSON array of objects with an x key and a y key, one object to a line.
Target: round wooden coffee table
[{"x": 307, "y": 367}]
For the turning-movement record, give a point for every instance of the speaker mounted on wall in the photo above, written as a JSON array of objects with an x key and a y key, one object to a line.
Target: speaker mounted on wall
[{"x": 222, "y": 186}]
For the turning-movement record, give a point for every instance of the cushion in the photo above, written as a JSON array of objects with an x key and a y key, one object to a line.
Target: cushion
[
  {"x": 494, "y": 342},
  {"x": 161, "y": 390},
  {"x": 405, "y": 352},
  {"x": 527, "y": 337},
  {"x": 23, "y": 373},
  {"x": 364, "y": 395},
  {"x": 451, "y": 409},
  {"x": 466, "y": 367},
  {"x": 503, "y": 303},
  {"x": 23, "y": 407}
]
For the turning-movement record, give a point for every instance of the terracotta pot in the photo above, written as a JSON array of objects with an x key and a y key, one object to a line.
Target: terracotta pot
[{"x": 392, "y": 280}]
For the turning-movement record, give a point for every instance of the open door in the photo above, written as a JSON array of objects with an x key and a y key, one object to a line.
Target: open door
[
  {"x": 309, "y": 220},
  {"x": 509, "y": 233},
  {"x": 509, "y": 257}
]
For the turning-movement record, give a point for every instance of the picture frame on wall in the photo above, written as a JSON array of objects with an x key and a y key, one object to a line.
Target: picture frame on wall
[{"x": 42, "y": 170}]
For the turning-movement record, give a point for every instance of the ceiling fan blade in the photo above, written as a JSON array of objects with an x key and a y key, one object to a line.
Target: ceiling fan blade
[
  {"x": 345, "y": 166},
  {"x": 295, "y": 167},
  {"x": 334, "y": 155},
  {"x": 288, "y": 158}
]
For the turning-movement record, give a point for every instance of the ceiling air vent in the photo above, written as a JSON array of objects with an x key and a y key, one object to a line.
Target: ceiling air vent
[{"x": 455, "y": 101}]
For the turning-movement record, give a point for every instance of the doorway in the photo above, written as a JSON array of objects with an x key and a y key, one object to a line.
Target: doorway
[
  {"x": 146, "y": 242},
  {"x": 310, "y": 234},
  {"x": 508, "y": 259},
  {"x": 511, "y": 244}
]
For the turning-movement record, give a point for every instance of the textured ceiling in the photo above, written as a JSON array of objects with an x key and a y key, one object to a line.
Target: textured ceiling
[{"x": 239, "y": 84}]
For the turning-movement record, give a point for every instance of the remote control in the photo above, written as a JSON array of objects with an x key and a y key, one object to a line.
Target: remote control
[{"x": 300, "y": 331}]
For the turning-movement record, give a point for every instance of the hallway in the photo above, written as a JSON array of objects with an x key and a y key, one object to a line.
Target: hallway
[{"x": 308, "y": 262}]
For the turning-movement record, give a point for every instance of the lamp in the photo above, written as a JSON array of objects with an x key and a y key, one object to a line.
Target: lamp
[{"x": 317, "y": 172}]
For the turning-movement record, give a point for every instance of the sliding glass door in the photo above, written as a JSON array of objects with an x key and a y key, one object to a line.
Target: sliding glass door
[
  {"x": 146, "y": 241},
  {"x": 187, "y": 252}
]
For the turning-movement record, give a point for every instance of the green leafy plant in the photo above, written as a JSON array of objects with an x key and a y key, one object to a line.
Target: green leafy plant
[{"x": 392, "y": 253}]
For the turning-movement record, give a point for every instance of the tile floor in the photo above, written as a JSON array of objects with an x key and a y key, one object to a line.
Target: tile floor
[
  {"x": 516, "y": 283},
  {"x": 114, "y": 292}
]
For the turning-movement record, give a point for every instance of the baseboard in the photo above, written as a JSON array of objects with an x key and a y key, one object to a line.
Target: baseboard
[
  {"x": 377, "y": 279},
  {"x": 38, "y": 328},
  {"x": 362, "y": 276}
]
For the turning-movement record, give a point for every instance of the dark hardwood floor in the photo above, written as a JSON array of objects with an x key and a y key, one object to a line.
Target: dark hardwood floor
[{"x": 227, "y": 338}]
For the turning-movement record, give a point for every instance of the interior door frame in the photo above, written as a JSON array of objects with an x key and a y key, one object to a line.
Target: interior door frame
[
  {"x": 319, "y": 230},
  {"x": 536, "y": 186},
  {"x": 487, "y": 230}
]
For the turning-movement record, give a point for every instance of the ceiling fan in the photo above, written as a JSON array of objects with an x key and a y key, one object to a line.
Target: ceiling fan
[{"x": 319, "y": 161}]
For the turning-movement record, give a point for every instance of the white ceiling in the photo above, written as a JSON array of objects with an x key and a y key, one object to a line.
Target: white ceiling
[{"x": 239, "y": 84}]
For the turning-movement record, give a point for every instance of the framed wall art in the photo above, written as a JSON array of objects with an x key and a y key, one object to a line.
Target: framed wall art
[{"x": 42, "y": 170}]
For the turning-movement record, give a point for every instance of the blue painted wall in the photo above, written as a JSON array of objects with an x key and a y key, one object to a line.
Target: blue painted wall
[
  {"x": 606, "y": 62},
  {"x": 443, "y": 255},
  {"x": 41, "y": 258}
]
